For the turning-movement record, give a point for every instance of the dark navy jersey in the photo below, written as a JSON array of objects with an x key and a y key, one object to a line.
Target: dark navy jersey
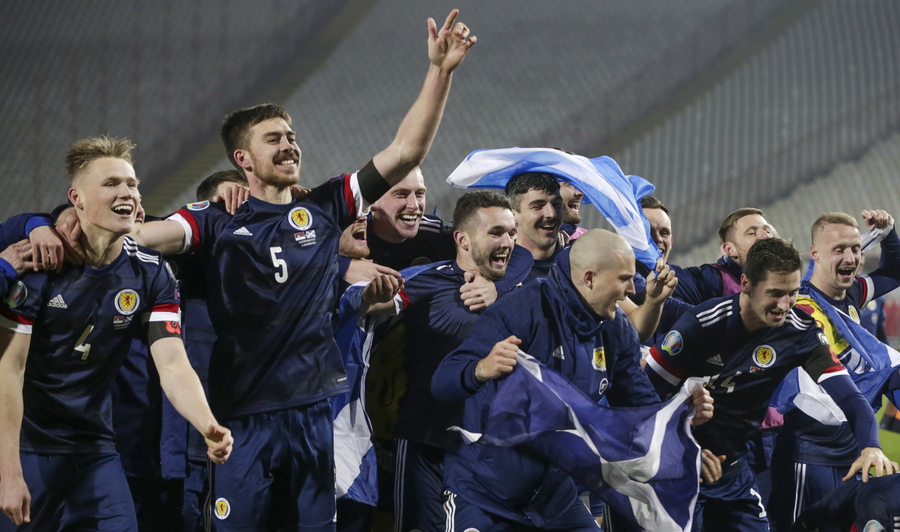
[
  {"x": 743, "y": 368},
  {"x": 542, "y": 266},
  {"x": 697, "y": 284},
  {"x": 434, "y": 242},
  {"x": 865, "y": 506},
  {"x": 82, "y": 322},
  {"x": 272, "y": 280}
]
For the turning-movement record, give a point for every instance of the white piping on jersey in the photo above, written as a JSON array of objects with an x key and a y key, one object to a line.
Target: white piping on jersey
[
  {"x": 868, "y": 290},
  {"x": 431, "y": 225},
  {"x": 131, "y": 248},
  {"x": 399, "y": 482},
  {"x": 798, "y": 322},
  {"x": 450, "y": 510},
  {"x": 825, "y": 376},
  {"x": 715, "y": 314},
  {"x": 799, "y": 488},
  {"x": 188, "y": 233},
  {"x": 362, "y": 206}
]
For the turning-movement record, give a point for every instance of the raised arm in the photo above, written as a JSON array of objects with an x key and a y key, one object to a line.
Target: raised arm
[
  {"x": 447, "y": 47},
  {"x": 15, "y": 499}
]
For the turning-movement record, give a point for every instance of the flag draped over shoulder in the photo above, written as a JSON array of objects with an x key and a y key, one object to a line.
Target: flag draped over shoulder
[
  {"x": 602, "y": 182},
  {"x": 643, "y": 461}
]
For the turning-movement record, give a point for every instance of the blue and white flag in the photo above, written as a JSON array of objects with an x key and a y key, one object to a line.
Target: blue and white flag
[
  {"x": 602, "y": 182},
  {"x": 643, "y": 461}
]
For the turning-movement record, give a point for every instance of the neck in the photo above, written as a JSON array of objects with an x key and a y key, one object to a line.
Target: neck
[
  {"x": 270, "y": 193},
  {"x": 536, "y": 252},
  {"x": 100, "y": 246},
  {"x": 465, "y": 262},
  {"x": 826, "y": 288}
]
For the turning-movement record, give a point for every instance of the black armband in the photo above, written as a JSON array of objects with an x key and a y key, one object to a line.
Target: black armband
[
  {"x": 819, "y": 361},
  {"x": 157, "y": 330},
  {"x": 372, "y": 185}
]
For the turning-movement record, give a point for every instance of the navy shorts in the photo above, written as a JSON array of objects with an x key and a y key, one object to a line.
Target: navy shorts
[
  {"x": 280, "y": 474},
  {"x": 733, "y": 503},
  {"x": 76, "y": 491},
  {"x": 418, "y": 487},
  {"x": 798, "y": 486},
  {"x": 463, "y": 516}
]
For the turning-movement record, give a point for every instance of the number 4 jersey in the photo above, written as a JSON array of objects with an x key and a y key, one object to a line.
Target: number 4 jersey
[{"x": 82, "y": 322}]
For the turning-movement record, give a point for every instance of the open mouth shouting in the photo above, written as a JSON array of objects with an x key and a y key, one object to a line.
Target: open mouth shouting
[
  {"x": 846, "y": 273},
  {"x": 123, "y": 209}
]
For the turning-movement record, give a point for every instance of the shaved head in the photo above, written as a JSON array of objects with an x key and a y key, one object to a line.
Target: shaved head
[
  {"x": 597, "y": 251},
  {"x": 602, "y": 267}
]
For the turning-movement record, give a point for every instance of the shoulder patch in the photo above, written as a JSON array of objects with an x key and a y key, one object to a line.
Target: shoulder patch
[
  {"x": 198, "y": 206},
  {"x": 16, "y": 295},
  {"x": 673, "y": 343}
]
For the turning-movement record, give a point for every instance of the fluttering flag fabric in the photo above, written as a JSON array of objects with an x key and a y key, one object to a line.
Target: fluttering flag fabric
[
  {"x": 643, "y": 461},
  {"x": 602, "y": 182}
]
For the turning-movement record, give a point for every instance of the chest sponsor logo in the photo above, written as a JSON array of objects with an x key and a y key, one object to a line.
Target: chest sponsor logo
[
  {"x": 57, "y": 302},
  {"x": 558, "y": 353},
  {"x": 764, "y": 356},
  {"x": 599, "y": 360},
  {"x": 222, "y": 508},
  {"x": 242, "y": 231},
  {"x": 715, "y": 360},
  {"x": 853, "y": 314},
  {"x": 673, "y": 343},
  {"x": 300, "y": 218},
  {"x": 16, "y": 296},
  {"x": 127, "y": 301},
  {"x": 305, "y": 238},
  {"x": 198, "y": 206}
]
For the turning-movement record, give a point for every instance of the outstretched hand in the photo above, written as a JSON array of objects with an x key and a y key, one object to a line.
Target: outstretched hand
[
  {"x": 661, "y": 283},
  {"x": 878, "y": 218},
  {"x": 448, "y": 47},
  {"x": 872, "y": 457}
]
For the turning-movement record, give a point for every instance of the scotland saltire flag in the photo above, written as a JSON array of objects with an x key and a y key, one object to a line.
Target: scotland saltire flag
[
  {"x": 603, "y": 183},
  {"x": 643, "y": 461},
  {"x": 354, "y": 453}
]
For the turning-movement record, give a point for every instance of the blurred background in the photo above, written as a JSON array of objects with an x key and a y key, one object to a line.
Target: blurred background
[{"x": 792, "y": 107}]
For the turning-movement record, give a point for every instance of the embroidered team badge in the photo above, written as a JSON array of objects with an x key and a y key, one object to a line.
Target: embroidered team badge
[
  {"x": 599, "y": 361},
  {"x": 764, "y": 356},
  {"x": 854, "y": 314},
  {"x": 127, "y": 301},
  {"x": 300, "y": 218},
  {"x": 222, "y": 508},
  {"x": 16, "y": 295},
  {"x": 673, "y": 343},
  {"x": 199, "y": 206}
]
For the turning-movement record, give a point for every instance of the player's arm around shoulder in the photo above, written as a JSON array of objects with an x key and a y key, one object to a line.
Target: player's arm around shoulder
[
  {"x": 15, "y": 499},
  {"x": 183, "y": 389}
]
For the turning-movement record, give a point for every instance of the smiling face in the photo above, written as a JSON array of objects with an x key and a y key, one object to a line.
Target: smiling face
[
  {"x": 571, "y": 201},
  {"x": 397, "y": 214},
  {"x": 538, "y": 218},
  {"x": 105, "y": 196},
  {"x": 487, "y": 242},
  {"x": 745, "y": 232},
  {"x": 767, "y": 303},
  {"x": 837, "y": 252},
  {"x": 660, "y": 230},
  {"x": 353, "y": 241},
  {"x": 273, "y": 156}
]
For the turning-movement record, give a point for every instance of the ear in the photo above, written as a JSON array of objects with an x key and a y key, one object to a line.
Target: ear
[
  {"x": 745, "y": 284},
  {"x": 75, "y": 198},
  {"x": 242, "y": 158},
  {"x": 814, "y": 253},
  {"x": 587, "y": 278},
  {"x": 461, "y": 239},
  {"x": 728, "y": 249}
]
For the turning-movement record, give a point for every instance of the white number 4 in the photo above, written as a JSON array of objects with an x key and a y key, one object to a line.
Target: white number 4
[{"x": 81, "y": 346}]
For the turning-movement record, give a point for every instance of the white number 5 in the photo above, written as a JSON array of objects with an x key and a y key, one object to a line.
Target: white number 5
[{"x": 282, "y": 274}]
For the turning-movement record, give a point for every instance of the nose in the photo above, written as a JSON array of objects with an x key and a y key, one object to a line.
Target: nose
[
  {"x": 507, "y": 241},
  {"x": 786, "y": 302},
  {"x": 550, "y": 211},
  {"x": 629, "y": 290}
]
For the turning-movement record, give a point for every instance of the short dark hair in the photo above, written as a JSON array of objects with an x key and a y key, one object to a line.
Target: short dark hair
[
  {"x": 774, "y": 255},
  {"x": 827, "y": 218},
  {"x": 208, "y": 187},
  {"x": 731, "y": 219},
  {"x": 469, "y": 204},
  {"x": 237, "y": 124},
  {"x": 520, "y": 184},
  {"x": 649, "y": 202}
]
